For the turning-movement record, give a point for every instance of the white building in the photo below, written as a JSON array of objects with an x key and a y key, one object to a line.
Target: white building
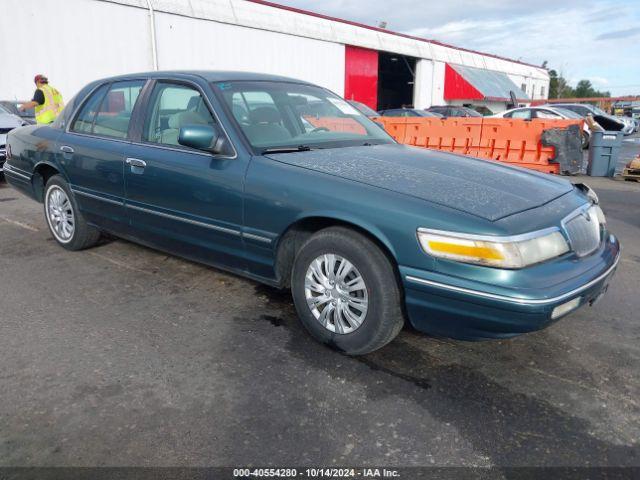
[{"x": 82, "y": 40}]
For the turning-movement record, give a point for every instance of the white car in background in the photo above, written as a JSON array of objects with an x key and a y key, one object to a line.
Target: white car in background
[
  {"x": 549, "y": 113},
  {"x": 8, "y": 121}
]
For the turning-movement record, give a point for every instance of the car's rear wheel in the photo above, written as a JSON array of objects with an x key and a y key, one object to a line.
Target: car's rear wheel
[
  {"x": 585, "y": 140},
  {"x": 65, "y": 222},
  {"x": 346, "y": 292}
]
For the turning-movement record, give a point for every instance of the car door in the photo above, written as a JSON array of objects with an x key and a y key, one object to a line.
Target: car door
[
  {"x": 92, "y": 152},
  {"x": 179, "y": 199}
]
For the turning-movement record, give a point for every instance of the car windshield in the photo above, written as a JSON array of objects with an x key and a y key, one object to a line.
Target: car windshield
[
  {"x": 567, "y": 113},
  {"x": 282, "y": 115},
  {"x": 4, "y": 109},
  {"x": 424, "y": 113},
  {"x": 368, "y": 111},
  {"x": 471, "y": 112},
  {"x": 599, "y": 111}
]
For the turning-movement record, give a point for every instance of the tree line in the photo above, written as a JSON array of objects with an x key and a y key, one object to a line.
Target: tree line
[{"x": 560, "y": 88}]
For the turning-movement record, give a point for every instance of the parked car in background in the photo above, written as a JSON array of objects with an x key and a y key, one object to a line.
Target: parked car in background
[
  {"x": 454, "y": 111},
  {"x": 482, "y": 110},
  {"x": 363, "y": 230},
  {"x": 11, "y": 106},
  {"x": 8, "y": 121},
  {"x": 606, "y": 121},
  {"x": 552, "y": 113},
  {"x": 364, "y": 109},
  {"x": 630, "y": 125},
  {"x": 408, "y": 112}
]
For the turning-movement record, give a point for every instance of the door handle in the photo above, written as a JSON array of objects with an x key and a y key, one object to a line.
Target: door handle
[
  {"x": 66, "y": 149},
  {"x": 134, "y": 162}
]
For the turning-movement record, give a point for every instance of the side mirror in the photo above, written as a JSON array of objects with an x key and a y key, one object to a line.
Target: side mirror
[{"x": 201, "y": 137}]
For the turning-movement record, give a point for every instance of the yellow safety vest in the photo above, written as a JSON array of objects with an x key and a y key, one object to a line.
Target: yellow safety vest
[{"x": 52, "y": 106}]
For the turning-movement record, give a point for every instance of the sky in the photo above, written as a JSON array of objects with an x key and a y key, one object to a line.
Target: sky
[{"x": 582, "y": 39}]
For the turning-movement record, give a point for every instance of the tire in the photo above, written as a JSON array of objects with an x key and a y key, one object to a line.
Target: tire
[
  {"x": 380, "y": 292},
  {"x": 60, "y": 207},
  {"x": 585, "y": 140}
]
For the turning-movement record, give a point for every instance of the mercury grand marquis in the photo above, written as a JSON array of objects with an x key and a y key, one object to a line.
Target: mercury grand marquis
[{"x": 286, "y": 183}]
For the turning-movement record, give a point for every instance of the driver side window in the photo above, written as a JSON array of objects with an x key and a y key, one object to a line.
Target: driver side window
[{"x": 172, "y": 107}]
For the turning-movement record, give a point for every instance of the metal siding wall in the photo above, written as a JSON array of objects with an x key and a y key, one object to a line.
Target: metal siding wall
[
  {"x": 102, "y": 38},
  {"x": 361, "y": 75},
  {"x": 187, "y": 43},
  {"x": 423, "y": 87},
  {"x": 91, "y": 40}
]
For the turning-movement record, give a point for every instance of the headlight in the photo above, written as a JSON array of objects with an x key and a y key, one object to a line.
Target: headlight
[
  {"x": 597, "y": 211},
  {"x": 503, "y": 252},
  {"x": 588, "y": 191}
]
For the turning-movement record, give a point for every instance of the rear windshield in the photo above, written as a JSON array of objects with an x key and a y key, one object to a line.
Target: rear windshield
[{"x": 288, "y": 115}]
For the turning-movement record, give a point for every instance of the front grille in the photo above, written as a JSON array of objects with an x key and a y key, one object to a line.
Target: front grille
[{"x": 583, "y": 231}]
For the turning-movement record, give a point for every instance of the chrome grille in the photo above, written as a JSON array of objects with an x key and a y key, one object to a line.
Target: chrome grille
[{"x": 583, "y": 231}]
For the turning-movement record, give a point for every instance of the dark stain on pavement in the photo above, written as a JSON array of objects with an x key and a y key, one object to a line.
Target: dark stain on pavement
[{"x": 275, "y": 321}]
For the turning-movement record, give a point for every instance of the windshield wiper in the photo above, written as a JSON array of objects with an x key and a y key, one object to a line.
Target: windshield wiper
[{"x": 299, "y": 148}]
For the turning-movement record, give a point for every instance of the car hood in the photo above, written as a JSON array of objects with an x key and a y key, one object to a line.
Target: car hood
[
  {"x": 9, "y": 120},
  {"x": 482, "y": 188}
]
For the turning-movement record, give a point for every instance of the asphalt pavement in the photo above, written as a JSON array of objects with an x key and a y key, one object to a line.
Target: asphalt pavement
[{"x": 120, "y": 355}]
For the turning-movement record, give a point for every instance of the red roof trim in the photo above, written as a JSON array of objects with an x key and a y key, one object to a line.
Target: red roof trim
[
  {"x": 456, "y": 87},
  {"x": 384, "y": 30}
]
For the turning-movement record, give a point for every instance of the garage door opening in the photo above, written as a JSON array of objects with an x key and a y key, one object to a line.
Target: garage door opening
[{"x": 396, "y": 75}]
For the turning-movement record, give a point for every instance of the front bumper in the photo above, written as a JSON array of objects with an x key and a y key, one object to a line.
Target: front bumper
[{"x": 457, "y": 308}]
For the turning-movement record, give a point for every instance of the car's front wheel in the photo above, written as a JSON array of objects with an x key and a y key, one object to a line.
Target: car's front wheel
[
  {"x": 585, "y": 140},
  {"x": 346, "y": 292},
  {"x": 66, "y": 223}
]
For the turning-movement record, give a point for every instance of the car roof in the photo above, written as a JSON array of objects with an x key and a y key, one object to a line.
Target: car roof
[
  {"x": 208, "y": 75},
  {"x": 568, "y": 105}
]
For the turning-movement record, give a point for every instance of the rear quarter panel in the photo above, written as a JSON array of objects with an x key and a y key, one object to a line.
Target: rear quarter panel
[{"x": 30, "y": 147}]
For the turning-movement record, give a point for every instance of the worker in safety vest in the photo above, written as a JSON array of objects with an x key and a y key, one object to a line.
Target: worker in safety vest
[{"x": 47, "y": 101}]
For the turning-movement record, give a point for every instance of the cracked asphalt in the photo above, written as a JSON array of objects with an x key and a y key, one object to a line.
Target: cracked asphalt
[{"x": 121, "y": 356}]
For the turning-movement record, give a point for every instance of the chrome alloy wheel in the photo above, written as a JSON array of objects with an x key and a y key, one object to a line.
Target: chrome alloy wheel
[
  {"x": 336, "y": 293},
  {"x": 60, "y": 214}
]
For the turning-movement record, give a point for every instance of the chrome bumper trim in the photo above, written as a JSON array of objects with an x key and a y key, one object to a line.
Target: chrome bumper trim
[{"x": 520, "y": 301}]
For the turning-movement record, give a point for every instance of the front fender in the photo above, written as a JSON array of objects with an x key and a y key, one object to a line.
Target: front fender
[{"x": 346, "y": 218}]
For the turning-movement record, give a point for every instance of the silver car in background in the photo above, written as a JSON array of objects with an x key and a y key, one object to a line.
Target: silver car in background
[{"x": 8, "y": 121}]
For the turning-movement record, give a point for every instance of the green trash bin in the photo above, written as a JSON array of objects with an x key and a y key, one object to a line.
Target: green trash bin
[{"x": 604, "y": 150}]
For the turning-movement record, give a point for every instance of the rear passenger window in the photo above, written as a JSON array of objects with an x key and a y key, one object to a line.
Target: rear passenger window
[
  {"x": 84, "y": 121},
  {"x": 108, "y": 110},
  {"x": 115, "y": 111},
  {"x": 172, "y": 107},
  {"x": 522, "y": 114}
]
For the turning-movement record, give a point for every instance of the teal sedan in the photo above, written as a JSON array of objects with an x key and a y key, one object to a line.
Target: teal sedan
[{"x": 286, "y": 183}]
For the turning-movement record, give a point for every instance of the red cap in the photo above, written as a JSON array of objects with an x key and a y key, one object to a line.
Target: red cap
[{"x": 40, "y": 79}]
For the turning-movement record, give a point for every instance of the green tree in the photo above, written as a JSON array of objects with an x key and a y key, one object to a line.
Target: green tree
[
  {"x": 558, "y": 85},
  {"x": 560, "y": 88},
  {"x": 584, "y": 89}
]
